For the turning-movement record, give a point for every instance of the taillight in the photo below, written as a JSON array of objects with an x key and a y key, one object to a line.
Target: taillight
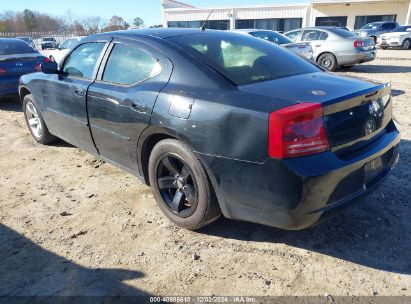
[
  {"x": 37, "y": 68},
  {"x": 358, "y": 43},
  {"x": 2, "y": 71},
  {"x": 297, "y": 131}
]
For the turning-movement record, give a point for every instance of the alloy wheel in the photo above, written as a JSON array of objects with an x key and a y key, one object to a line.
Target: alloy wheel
[
  {"x": 177, "y": 185},
  {"x": 33, "y": 120}
]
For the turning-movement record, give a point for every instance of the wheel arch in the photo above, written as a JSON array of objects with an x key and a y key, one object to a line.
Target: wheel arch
[{"x": 23, "y": 92}]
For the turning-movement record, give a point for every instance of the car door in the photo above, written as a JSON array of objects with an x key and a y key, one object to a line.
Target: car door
[
  {"x": 66, "y": 94},
  {"x": 316, "y": 39},
  {"x": 121, "y": 100}
]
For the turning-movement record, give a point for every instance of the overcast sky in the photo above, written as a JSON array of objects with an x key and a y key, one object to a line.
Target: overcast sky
[{"x": 149, "y": 10}]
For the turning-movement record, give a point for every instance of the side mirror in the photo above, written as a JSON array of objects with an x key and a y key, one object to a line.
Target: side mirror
[{"x": 49, "y": 67}]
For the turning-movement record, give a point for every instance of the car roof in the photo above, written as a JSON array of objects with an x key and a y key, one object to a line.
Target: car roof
[{"x": 155, "y": 32}]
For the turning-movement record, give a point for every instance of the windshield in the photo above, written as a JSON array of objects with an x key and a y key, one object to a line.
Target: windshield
[
  {"x": 27, "y": 39},
  {"x": 402, "y": 29},
  {"x": 272, "y": 37},
  {"x": 243, "y": 59},
  {"x": 10, "y": 47},
  {"x": 371, "y": 26}
]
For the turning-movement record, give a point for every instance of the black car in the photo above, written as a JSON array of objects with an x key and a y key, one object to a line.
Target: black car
[
  {"x": 218, "y": 122},
  {"x": 48, "y": 43},
  {"x": 16, "y": 58}
]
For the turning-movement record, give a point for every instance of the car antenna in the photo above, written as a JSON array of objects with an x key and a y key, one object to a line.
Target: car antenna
[{"x": 203, "y": 27}]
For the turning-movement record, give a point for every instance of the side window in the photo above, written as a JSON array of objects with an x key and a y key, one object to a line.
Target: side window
[
  {"x": 129, "y": 64},
  {"x": 83, "y": 60},
  {"x": 293, "y": 35},
  {"x": 313, "y": 35}
]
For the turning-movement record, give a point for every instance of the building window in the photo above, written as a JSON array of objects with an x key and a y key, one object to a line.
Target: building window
[
  {"x": 211, "y": 24},
  {"x": 360, "y": 21},
  {"x": 283, "y": 24},
  {"x": 331, "y": 21}
]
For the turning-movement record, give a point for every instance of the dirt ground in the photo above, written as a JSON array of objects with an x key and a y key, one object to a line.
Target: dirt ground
[{"x": 72, "y": 225}]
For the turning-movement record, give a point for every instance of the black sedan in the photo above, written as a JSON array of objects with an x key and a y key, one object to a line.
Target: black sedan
[
  {"x": 218, "y": 122},
  {"x": 16, "y": 58}
]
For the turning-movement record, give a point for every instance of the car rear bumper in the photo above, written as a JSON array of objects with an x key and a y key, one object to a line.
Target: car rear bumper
[
  {"x": 9, "y": 85},
  {"x": 297, "y": 193},
  {"x": 389, "y": 42},
  {"x": 354, "y": 57}
]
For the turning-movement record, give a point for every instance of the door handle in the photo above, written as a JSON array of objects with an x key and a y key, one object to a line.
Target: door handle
[
  {"x": 138, "y": 106},
  {"x": 317, "y": 45},
  {"x": 79, "y": 92}
]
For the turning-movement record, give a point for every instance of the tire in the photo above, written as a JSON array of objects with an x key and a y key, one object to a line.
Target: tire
[
  {"x": 181, "y": 186},
  {"x": 406, "y": 44},
  {"x": 35, "y": 122},
  {"x": 327, "y": 61},
  {"x": 383, "y": 47}
]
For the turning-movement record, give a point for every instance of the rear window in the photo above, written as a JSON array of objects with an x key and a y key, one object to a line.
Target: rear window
[
  {"x": 343, "y": 33},
  {"x": 243, "y": 59},
  {"x": 48, "y": 39},
  {"x": 10, "y": 47}
]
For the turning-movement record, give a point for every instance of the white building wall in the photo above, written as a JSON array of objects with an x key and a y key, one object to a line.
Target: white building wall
[
  {"x": 308, "y": 12},
  {"x": 352, "y": 10}
]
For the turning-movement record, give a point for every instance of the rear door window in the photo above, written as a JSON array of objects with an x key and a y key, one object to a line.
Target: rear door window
[
  {"x": 83, "y": 60},
  {"x": 129, "y": 64}
]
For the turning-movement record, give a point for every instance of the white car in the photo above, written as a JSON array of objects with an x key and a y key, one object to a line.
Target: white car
[
  {"x": 58, "y": 54},
  {"x": 302, "y": 49},
  {"x": 399, "y": 37}
]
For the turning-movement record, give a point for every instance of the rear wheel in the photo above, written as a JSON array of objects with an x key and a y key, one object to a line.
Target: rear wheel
[
  {"x": 181, "y": 186},
  {"x": 406, "y": 44},
  {"x": 383, "y": 47},
  {"x": 35, "y": 121},
  {"x": 327, "y": 61}
]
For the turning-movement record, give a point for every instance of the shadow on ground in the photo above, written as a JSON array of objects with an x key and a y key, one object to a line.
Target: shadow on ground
[
  {"x": 379, "y": 68},
  {"x": 27, "y": 270},
  {"x": 375, "y": 233},
  {"x": 10, "y": 104}
]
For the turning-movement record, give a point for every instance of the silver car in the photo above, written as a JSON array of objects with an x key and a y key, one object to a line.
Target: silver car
[
  {"x": 302, "y": 49},
  {"x": 375, "y": 29},
  {"x": 335, "y": 47}
]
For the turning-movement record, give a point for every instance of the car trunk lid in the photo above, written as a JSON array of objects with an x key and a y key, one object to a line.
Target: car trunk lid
[
  {"x": 355, "y": 111},
  {"x": 19, "y": 64}
]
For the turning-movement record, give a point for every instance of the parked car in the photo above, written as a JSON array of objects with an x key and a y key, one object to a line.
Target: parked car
[
  {"x": 29, "y": 40},
  {"x": 302, "y": 49},
  {"x": 375, "y": 29},
  {"x": 48, "y": 43},
  {"x": 218, "y": 122},
  {"x": 58, "y": 54},
  {"x": 399, "y": 37},
  {"x": 334, "y": 47},
  {"x": 16, "y": 58}
]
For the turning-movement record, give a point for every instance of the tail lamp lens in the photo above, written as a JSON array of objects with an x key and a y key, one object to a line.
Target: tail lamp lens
[
  {"x": 297, "y": 131},
  {"x": 358, "y": 43}
]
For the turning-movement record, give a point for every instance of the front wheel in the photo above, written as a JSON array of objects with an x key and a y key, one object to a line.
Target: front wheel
[
  {"x": 181, "y": 186},
  {"x": 35, "y": 121},
  {"x": 406, "y": 44},
  {"x": 327, "y": 61}
]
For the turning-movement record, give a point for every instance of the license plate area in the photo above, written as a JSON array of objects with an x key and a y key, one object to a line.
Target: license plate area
[{"x": 373, "y": 169}]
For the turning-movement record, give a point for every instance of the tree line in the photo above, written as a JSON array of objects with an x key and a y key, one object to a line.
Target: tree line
[{"x": 29, "y": 21}]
